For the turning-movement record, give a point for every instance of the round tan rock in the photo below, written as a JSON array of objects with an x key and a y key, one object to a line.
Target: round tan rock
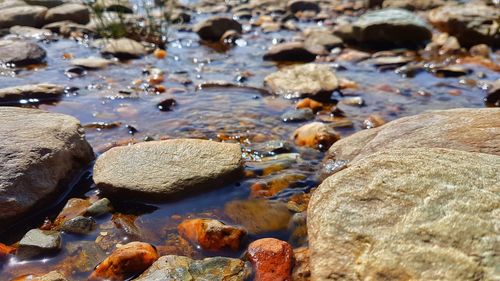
[
  {"x": 410, "y": 214},
  {"x": 160, "y": 169}
]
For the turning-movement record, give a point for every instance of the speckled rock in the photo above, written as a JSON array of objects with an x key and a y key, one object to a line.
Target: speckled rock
[
  {"x": 474, "y": 130},
  {"x": 41, "y": 92},
  {"x": 314, "y": 80},
  {"x": 160, "y": 169},
  {"x": 184, "y": 268},
  {"x": 35, "y": 143},
  {"x": 410, "y": 214}
]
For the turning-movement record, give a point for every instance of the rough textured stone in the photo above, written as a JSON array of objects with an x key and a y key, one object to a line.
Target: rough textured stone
[
  {"x": 290, "y": 51},
  {"x": 51, "y": 276},
  {"x": 211, "y": 234},
  {"x": 391, "y": 27},
  {"x": 311, "y": 79},
  {"x": 77, "y": 13},
  {"x": 124, "y": 48},
  {"x": 472, "y": 23},
  {"x": 39, "y": 152},
  {"x": 214, "y": 28},
  {"x": 22, "y": 15},
  {"x": 37, "y": 243},
  {"x": 21, "y": 52},
  {"x": 78, "y": 225},
  {"x": 184, "y": 268},
  {"x": 272, "y": 259},
  {"x": 125, "y": 262},
  {"x": 411, "y": 214},
  {"x": 475, "y": 130},
  {"x": 41, "y": 92},
  {"x": 159, "y": 169}
]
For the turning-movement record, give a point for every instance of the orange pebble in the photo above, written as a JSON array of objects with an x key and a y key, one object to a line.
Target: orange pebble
[
  {"x": 67, "y": 56},
  {"x": 160, "y": 54}
]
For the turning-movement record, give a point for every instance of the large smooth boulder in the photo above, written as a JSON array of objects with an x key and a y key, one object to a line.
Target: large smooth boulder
[
  {"x": 213, "y": 28},
  {"x": 314, "y": 80},
  {"x": 20, "y": 52},
  {"x": 183, "y": 268},
  {"x": 391, "y": 27},
  {"x": 72, "y": 11},
  {"x": 41, "y": 92},
  {"x": 471, "y": 24},
  {"x": 468, "y": 129},
  {"x": 22, "y": 15},
  {"x": 409, "y": 214},
  {"x": 160, "y": 169},
  {"x": 40, "y": 153}
]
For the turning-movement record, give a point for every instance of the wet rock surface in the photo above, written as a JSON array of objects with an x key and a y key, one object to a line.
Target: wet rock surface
[
  {"x": 20, "y": 52},
  {"x": 37, "y": 243},
  {"x": 362, "y": 225},
  {"x": 165, "y": 168},
  {"x": 183, "y": 268},
  {"x": 315, "y": 135},
  {"x": 314, "y": 80},
  {"x": 211, "y": 234},
  {"x": 271, "y": 258},
  {"x": 37, "y": 143}
]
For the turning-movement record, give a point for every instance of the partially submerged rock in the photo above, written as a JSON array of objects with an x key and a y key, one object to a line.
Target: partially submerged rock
[
  {"x": 315, "y": 135},
  {"x": 20, "y": 52},
  {"x": 38, "y": 243},
  {"x": 40, "y": 153},
  {"x": 22, "y": 15},
  {"x": 124, "y": 48},
  {"x": 214, "y": 28},
  {"x": 391, "y": 27},
  {"x": 474, "y": 130},
  {"x": 408, "y": 214},
  {"x": 272, "y": 259},
  {"x": 126, "y": 262},
  {"x": 160, "y": 169},
  {"x": 40, "y": 92},
  {"x": 211, "y": 234},
  {"x": 92, "y": 62},
  {"x": 183, "y": 268},
  {"x": 472, "y": 23},
  {"x": 314, "y": 80},
  {"x": 290, "y": 51},
  {"x": 30, "y": 32}
]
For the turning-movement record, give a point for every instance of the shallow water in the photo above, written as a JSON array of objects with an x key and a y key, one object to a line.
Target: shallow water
[{"x": 219, "y": 113}]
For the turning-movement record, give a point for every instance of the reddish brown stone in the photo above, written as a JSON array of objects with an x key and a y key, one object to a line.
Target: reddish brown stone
[
  {"x": 272, "y": 259},
  {"x": 125, "y": 262},
  {"x": 73, "y": 208},
  {"x": 6, "y": 250},
  {"x": 211, "y": 234}
]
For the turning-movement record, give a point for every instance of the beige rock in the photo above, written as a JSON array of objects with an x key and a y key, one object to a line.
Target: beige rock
[
  {"x": 77, "y": 13},
  {"x": 475, "y": 130},
  {"x": 42, "y": 92},
  {"x": 160, "y": 169},
  {"x": 39, "y": 153},
  {"x": 303, "y": 80},
  {"x": 124, "y": 48},
  {"x": 51, "y": 276},
  {"x": 411, "y": 214},
  {"x": 315, "y": 135}
]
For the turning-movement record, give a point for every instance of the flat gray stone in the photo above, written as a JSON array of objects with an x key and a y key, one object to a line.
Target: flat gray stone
[
  {"x": 41, "y": 92},
  {"x": 38, "y": 243},
  {"x": 408, "y": 214},
  {"x": 20, "y": 52},
  {"x": 40, "y": 153},
  {"x": 22, "y": 15},
  {"x": 183, "y": 268},
  {"x": 160, "y": 169}
]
